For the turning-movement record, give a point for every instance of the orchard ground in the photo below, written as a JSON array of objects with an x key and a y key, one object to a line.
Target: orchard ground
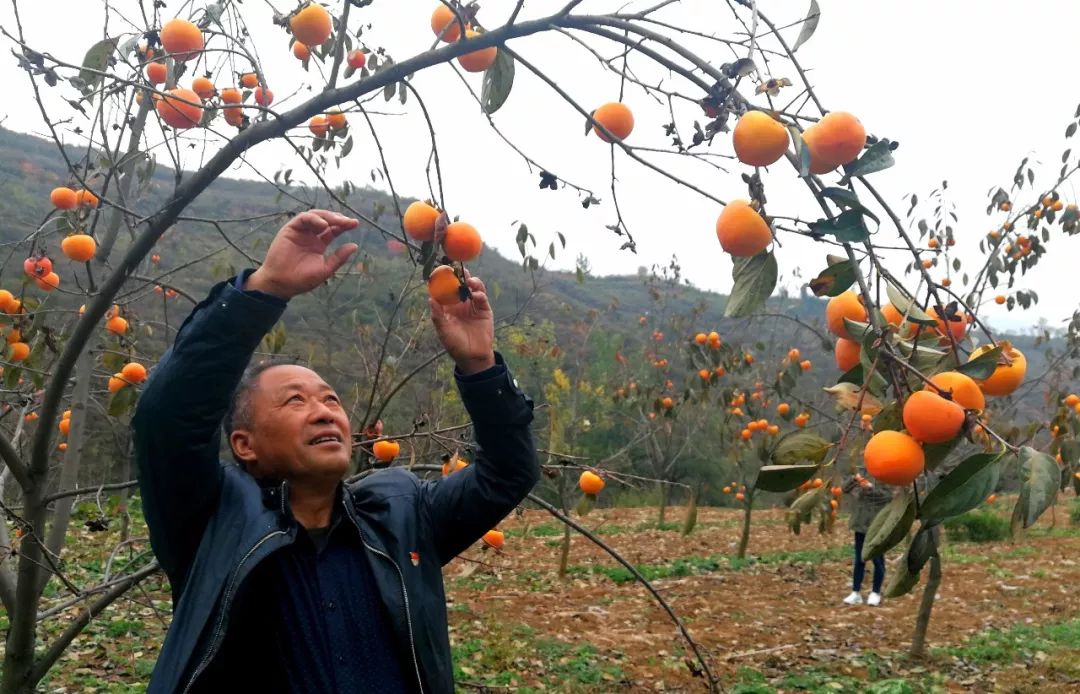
[{"x": 1006, "y": 619}]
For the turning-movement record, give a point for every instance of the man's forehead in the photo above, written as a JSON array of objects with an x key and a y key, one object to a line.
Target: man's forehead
[{"x": 291, "y": 376}]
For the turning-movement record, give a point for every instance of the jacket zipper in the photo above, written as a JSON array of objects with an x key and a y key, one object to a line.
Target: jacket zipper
[
  {"x": 404, "y": 591},
  {"x": 214, "y": 643}
]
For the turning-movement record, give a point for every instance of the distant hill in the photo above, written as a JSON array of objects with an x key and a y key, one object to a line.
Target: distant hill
[{"x": 30, "y": 166}]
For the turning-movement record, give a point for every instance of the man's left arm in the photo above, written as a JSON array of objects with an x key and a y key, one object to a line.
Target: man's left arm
[{"x": 462, "y": 506}]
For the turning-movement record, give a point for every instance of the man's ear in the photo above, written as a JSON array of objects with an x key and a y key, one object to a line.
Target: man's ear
[{"x": 242, "y": 443}]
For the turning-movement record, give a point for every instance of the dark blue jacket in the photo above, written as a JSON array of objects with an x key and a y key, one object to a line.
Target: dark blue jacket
[{"x": 211, "y": 523}]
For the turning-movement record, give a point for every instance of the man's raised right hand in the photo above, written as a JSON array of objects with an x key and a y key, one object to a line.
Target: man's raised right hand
[{"x": 296, "y": 261}]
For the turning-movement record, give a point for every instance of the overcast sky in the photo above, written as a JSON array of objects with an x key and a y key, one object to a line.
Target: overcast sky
[{"x": 966, "y": 93}]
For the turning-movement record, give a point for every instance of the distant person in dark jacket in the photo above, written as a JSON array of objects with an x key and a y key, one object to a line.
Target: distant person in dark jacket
[
  {"x": 869, "y": 499},
  {"x": 285, "y": 579}
]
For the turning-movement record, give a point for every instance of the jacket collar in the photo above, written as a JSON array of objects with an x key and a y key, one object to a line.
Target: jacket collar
[{"x": 275, "y": 497}]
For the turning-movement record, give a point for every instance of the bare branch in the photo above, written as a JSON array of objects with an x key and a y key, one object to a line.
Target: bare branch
[{"x": 60, "y": 644}]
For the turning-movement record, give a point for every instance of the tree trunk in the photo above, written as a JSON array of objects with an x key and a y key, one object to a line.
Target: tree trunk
[
  {"x": 21, "y": 637},
  {"x": 744, "y": 538},
  {"x": 564, "y": 555},
  {"x": 69, "y": 472},
  {"x": 663, "y": 505},
  {"x": 922, "y": 620}
]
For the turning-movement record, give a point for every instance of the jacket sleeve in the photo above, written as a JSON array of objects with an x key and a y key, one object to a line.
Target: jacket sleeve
[
  {"x": 177, "y": 422},
  {"x": 461, "y": 507}
]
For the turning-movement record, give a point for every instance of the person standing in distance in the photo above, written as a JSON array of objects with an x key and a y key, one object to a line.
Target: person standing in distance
[{"x": 869, "y": 500}]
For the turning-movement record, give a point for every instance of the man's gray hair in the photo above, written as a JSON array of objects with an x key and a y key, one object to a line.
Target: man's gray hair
[{"x": 238, "y": 415}]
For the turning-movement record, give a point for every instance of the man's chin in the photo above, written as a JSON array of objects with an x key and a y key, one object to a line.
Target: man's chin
[{"x": 328, "y": 467}]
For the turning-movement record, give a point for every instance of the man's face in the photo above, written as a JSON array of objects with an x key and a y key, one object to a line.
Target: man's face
[{"x": 299, "y": 429}]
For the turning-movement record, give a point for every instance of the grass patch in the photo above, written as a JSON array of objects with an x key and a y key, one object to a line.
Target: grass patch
[
  {"x": 499, "y": 657},
  {"x": 816, "y": 680},
  {"x": 978, "y": 526},
  {"x": 544, "y": 530},
  {"x": 691, "y": 565},
  {"x": 1019, "y": 643}
]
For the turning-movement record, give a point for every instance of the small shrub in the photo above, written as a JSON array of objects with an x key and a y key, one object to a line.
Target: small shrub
[{"x": 978, "y": 526}]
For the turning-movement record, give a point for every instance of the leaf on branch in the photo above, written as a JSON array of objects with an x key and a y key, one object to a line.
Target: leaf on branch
[
  {"x": 890, "y": 526},
  {"x": 1041, "y": 479},
  {"x": 740, "y": 68},
  {"x": 848, "y": 227},
  {"x": 935, "y": 453},
  {"x": 834, "y": 280},
  {"x": 878, "y": 158},
  {"x": 982, "y": 366},
  {"x": 902, "y": 581},
  {"x": 755, "y": 279},
  {"x": 783, "y": 478},
  {"x": 845, "y": 198},
  {"x": 800, "y": 446},
  {"x": 121, "y": 402},
  {"x": 906, "y": 306},
  {"x": 923, "y": 546},
  {"x": 809, "y": 26},
  {"x": 95, "y": 62},
  {"x": 964, "y": 488},
  {"x": 801, "y": 151},
  {"x": 498, "y": 81}
]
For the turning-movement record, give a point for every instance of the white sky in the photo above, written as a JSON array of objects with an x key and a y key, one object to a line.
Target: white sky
[{"x": 952, "y": 85}]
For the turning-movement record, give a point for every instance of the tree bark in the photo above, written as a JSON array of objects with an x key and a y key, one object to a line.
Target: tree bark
[
  {"x": 69, "y": 472},
  {"x": 19, "y": 649},
  {"x": 922, "y": 620},
  {"x": 744, "y": 537},
  {"x": 564, "y": 555}
]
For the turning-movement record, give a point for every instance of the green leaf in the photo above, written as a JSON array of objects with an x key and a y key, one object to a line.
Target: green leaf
[
  {"x": 783, "y": 478},
  {"x": 902, "y": 581},
  {"x": 891, "y": 418},
  {"x": 1041, "y": 479},
  {"x": 834, "y": 280},
  {"x": 963, "y": 488},
  {"x": 878, "y": 158},
  {"x": 11, "y": 377},
  {"x": 801, "y": 151},
  {"x": 890, "y": 526},
  {"x": 845, "y": 198},
  {"x": 755, "y": 279},
  {"x": 923, "y": 546},
  {"x": 121, "y": 401},
  {"x": 96, "y": 59},
  {"x": 498, "y": 81},
  {"x": 805, "y": 504},
  {"x": 982, "y": 366},
  {"x": 859, "y": 330},
  {"x": 855, "y": 375},
  {"x": 906, "y": 306},
  {"x": 799, "y": 446},
  {"x": 112, "y": 361},
  {"x": 848, "y": 227},
  {"x": 937, "y": 452},
  {"x": 809, "y": 26}
]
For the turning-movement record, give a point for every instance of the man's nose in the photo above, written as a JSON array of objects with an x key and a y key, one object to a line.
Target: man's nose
[{"x": 321, "y": 412}]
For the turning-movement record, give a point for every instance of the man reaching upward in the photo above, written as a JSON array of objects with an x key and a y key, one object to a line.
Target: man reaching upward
[{"x": 284, "y": 578}]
